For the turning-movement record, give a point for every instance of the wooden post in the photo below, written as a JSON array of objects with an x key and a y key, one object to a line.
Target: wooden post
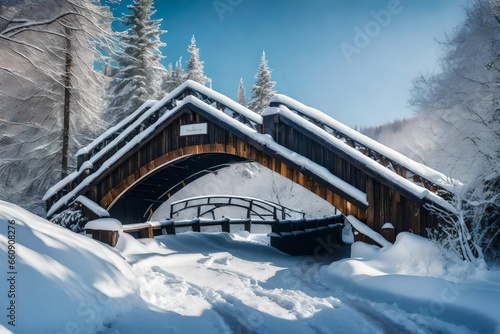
[
  {"x": 248, "y": 226},
  {"x": 107, "y": 237},
  {"x": 249, "y": 210},
  {"x": 196, "y": 225},
  {"x": 370, "y": 214},
  {"x": 225, "y": 225},
  {"x": 388, "y": 232},
  {"x": 170, "y": 227},
  {"x": 171, "y": 210}
]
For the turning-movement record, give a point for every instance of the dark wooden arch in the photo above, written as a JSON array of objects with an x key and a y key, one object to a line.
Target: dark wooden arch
[{"x": 242, "y": 150}]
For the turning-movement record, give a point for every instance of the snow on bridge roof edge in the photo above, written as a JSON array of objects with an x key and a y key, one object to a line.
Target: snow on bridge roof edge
[
  {"x": 414, "y": 166},
  {"x": 262, "y": 139},
  {"x": 414, "y": 189},
  {"x": 154, "y": 105},
  {"x": 108, "y": 132},
  {"x": 150, "y": 103}
]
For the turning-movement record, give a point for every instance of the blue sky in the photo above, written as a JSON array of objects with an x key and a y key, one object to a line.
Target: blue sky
[{"x": 352, "y": 59}]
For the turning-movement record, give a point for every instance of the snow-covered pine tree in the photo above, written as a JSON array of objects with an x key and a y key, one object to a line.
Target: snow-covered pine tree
[
  {"x": 241, "y": 94},
  {"x": 195, "y": 65},
  {"x": 173, "y": 77},
  {"x": 138, "y": 71},
  {"x": 179, "y": 76},
  {"x": 166, "y": 81},
  {"x": 71, "y": 218},
  {"x": 262, "y": 89},
  {"x": 50, "y": 95}
]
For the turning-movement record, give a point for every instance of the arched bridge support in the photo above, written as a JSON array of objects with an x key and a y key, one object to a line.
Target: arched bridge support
[{"x": 133, "y": 197}]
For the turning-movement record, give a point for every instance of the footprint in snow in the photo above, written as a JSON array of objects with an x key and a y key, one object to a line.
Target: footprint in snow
[
  {"x": 226, "y": 261},
  {"x": 206, "y": 261}
]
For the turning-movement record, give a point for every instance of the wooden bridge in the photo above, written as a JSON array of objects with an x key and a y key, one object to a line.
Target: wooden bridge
[{"x": 141, "y": 162}]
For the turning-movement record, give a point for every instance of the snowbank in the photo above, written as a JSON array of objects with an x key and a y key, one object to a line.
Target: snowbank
[
  {"x": 221, "y": 283},
  {"x": 61, "y": 281},
  {"x": 414, "y": 275}
]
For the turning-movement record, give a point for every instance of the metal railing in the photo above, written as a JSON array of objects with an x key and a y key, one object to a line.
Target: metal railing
[{"x": 261, "y": 209}]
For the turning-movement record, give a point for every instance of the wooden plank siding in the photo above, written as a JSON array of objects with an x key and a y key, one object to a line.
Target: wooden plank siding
[
  {"x": 386, "y": 202},
  {"x": 165, "y": 147}
]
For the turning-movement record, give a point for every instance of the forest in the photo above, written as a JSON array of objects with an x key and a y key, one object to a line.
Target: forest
[{"x": 57, "y": 57}]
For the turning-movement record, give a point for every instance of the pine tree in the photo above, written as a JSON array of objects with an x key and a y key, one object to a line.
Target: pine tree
[
  {"x": 262, "y": 89},
  {"x": 178, "y": 76},
  {"x": 241, "y": 94},
  {"x": 173, "y": 77},
  {"x": 167, "y": 79},
  {"x": 139, "y": 73},
  {"x": 194, "y": 65}
]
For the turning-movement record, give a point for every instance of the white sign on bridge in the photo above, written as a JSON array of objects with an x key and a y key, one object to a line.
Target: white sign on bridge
[{"x": 194, "y": 129}]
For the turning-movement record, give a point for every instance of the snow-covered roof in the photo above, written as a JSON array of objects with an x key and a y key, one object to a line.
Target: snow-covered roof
[
  {"x": 138, "y": 118},
  {"x": 261, "y": 139},
  {"x": 318, "y": 116},
  {"x": 109, "y": 162},
  {"x": 254, "y": 117},
  {"x": 127, "y": 121},
  {"x": 286, "y": 153},
  {"x": 368, "y": 163}
]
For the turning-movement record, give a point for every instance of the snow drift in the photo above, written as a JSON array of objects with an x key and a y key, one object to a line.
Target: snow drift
[
  {"x": 415, "y": 275},
  {"x": 232, "y": 283},
  {"x": 63, "y": 281}
]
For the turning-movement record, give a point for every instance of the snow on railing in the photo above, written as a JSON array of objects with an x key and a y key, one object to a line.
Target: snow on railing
[
  {"x": 279, "y": 227},
  {"x": 389, "y": 158},
  {"x": 113, "y": 132}
]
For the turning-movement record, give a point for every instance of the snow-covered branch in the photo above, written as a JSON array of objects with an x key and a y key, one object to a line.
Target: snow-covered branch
[
  {"x": 37, "y": 85},
  {"x": 18, "y": 28}
]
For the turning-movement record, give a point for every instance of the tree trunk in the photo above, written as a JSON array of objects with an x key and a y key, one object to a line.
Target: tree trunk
[{"x": 66, "y": 108}]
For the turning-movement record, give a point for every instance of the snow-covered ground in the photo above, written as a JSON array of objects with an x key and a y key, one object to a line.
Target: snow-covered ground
[{"x": 227, "y": 283}]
